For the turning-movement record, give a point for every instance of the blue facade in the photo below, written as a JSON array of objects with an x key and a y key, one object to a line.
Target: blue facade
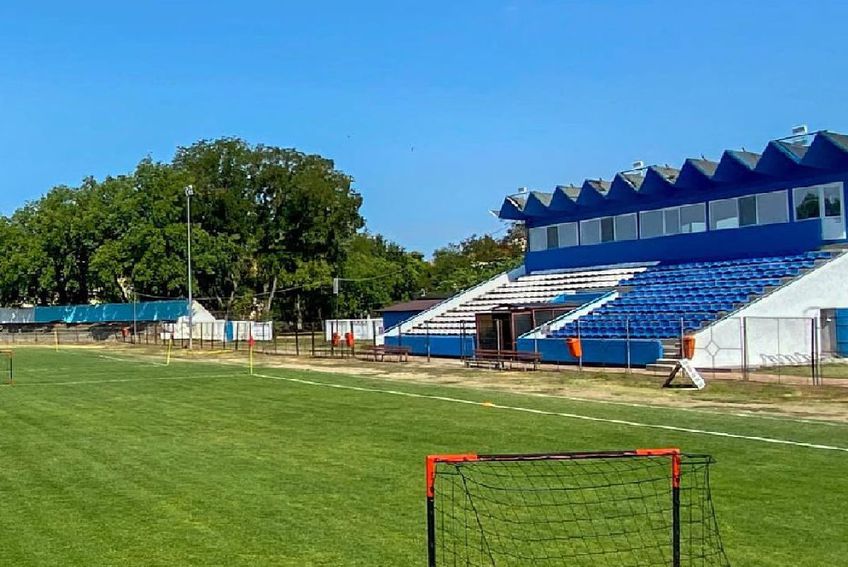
[
  {"x": 392, "y": 318},
  {"x": 809, "y": 161},
  {"x": 752, "y": 241}
]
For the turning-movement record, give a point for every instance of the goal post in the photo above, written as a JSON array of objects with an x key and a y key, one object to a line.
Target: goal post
[{"x": 636, "y": 507}]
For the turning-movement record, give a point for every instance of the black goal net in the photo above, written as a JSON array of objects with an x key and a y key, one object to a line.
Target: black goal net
[{"x": 640, "y": 508}]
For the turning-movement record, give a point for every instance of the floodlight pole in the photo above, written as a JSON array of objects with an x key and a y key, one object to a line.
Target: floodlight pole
[{"x": 189, "y": 191}]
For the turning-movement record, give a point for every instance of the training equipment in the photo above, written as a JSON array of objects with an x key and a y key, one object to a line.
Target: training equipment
[{"x": 646, "y": 507}]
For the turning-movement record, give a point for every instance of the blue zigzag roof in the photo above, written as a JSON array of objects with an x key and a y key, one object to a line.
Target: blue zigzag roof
[{"x": 826, "y": 152}]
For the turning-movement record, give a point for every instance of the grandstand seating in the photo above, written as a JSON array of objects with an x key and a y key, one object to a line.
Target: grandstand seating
[
  {"x": 666, "y": 300},
  {"x": 534, "y": 288}
]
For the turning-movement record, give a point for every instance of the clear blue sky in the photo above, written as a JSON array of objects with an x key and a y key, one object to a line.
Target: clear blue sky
[{"x": 437, "y": 109}]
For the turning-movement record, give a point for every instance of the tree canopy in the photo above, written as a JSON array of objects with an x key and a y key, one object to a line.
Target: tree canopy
[{"x": 271, "y": 228}]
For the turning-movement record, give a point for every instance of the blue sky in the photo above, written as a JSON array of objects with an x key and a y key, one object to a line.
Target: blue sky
[{"x": 438, "y": 109}]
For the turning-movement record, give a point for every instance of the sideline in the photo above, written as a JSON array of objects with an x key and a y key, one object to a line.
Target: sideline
[{"x": 628, "y": 423}]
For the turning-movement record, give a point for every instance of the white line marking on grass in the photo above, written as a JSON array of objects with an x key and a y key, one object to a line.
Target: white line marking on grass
[
  {"x": 561, "y": 414},
  {"x": 120, "y": 380},
  {"x": 130, "y": 359},
  {"x": 745, "y": 414},
  {"x": 742, "y": 414}
]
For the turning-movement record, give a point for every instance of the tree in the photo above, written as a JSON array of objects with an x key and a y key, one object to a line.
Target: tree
[{"x": 459, "y": 266}]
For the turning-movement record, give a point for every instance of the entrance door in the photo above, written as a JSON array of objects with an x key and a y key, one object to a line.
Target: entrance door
[{"x": 832, "y": 212}]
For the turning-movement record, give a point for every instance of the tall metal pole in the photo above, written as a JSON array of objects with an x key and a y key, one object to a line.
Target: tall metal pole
[{"x": 189, "y": 191}]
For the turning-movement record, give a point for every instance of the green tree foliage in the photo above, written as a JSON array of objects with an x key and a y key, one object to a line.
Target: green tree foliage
[
  {"x": 378, "y": 272},
  {"x": 271, "y": 228},
  {"x": 475, "y": 259}
]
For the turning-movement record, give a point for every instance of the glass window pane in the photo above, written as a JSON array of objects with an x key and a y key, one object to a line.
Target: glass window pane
[
  {"x": 568, "y": 234},
  {"x": 693, "y": 218},
  {"x": 590, "y": 231},
  {"x": 607, "y": 229},
  {"x": 672, "y": 221},
  {"x": 553, "y": 236},
  {"x": 806, "y": 203},
  {"x": 833, "y": 200},
  {"x": 747, "y": 211},
  {"x": 650, "y": 224},
  {"x": 772, "y": 208},
  {"x": 723, "y": 214},
  {"x": 536, "y": 239},
  {"x": 625, "y": 227}
]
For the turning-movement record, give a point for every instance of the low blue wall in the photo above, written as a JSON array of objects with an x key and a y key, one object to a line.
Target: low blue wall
[
  {"x": 439, "y": 345},
  {"x": 595, "y": 351}
]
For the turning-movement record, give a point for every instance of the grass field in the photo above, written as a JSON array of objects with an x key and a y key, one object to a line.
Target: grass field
[{"x": 107, "y": 460}]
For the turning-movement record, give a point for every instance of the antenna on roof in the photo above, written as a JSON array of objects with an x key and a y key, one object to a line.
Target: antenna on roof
[{"x": 800, "y": 130}]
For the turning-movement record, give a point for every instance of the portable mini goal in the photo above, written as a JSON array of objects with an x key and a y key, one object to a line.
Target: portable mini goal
[{"x": 645, "y": 507}]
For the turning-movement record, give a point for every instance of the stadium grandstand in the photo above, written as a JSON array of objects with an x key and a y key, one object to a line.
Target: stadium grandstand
[{"x": 634, "y": 264}]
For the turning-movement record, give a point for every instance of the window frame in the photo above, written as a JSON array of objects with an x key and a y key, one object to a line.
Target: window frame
[
  {"x": 586, "y": 223},
  {"x": 564, "y": 228},
  {"x": 713, "y": 224},
  {"x": 703, "y": 207},
  {"x": 616, "y": 231}
]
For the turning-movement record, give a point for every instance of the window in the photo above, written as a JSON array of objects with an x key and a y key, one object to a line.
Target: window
[
  {"x": 806, "y": 203},
  {"x": 607, "y": 229},
  {"x": 625, "y": 227},
  {"x": 832, "y": 200},
  {"x": 672, "y": 221},
  {"x": 553, "y": 236},
  {"x": 567, "y": 234},
  {"x": 590, "y": 231},
  {"x": 771, "y": 207},
  {"x": 723, "y": 214},
  {"x": 693, "y": 218},
  {"x": 536, "y": 239},
  {"x": 748, "y": 210},
  {"x": 651, "y": 224}
]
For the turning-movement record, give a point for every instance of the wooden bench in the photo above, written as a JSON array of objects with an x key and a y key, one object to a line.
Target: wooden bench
[
  {"x": 380, "y": 352},
  {"x": 500, "y": 358}
]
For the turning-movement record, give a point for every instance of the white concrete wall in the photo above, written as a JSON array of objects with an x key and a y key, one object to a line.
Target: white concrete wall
[
  {"x": 768, "y": 341},
  {"x": 459, "y": 299}
]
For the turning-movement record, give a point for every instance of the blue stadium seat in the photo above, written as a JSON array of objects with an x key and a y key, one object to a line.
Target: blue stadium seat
[{"x": 666, "y": 298}]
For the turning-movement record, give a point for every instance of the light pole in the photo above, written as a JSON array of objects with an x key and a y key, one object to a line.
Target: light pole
[{"x": 189, "y": 192}]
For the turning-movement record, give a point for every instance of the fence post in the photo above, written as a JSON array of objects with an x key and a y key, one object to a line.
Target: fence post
[
  {"x": 427, "y": 331},
  {"x": 498, "y": 326},
  {"x": 627, "y": 342},
  {"x": 296, "y": 340},
  {"x": 745, "y": 367},
  {"x": 462, "y": 340},
  {"x": 313, "y": 340},
  {"x": 815, "y": 360},
  {"x": 580, "y": 341}
]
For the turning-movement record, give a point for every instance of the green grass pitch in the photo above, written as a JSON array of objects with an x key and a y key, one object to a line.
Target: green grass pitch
[{"x": 105, "y": 461}]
